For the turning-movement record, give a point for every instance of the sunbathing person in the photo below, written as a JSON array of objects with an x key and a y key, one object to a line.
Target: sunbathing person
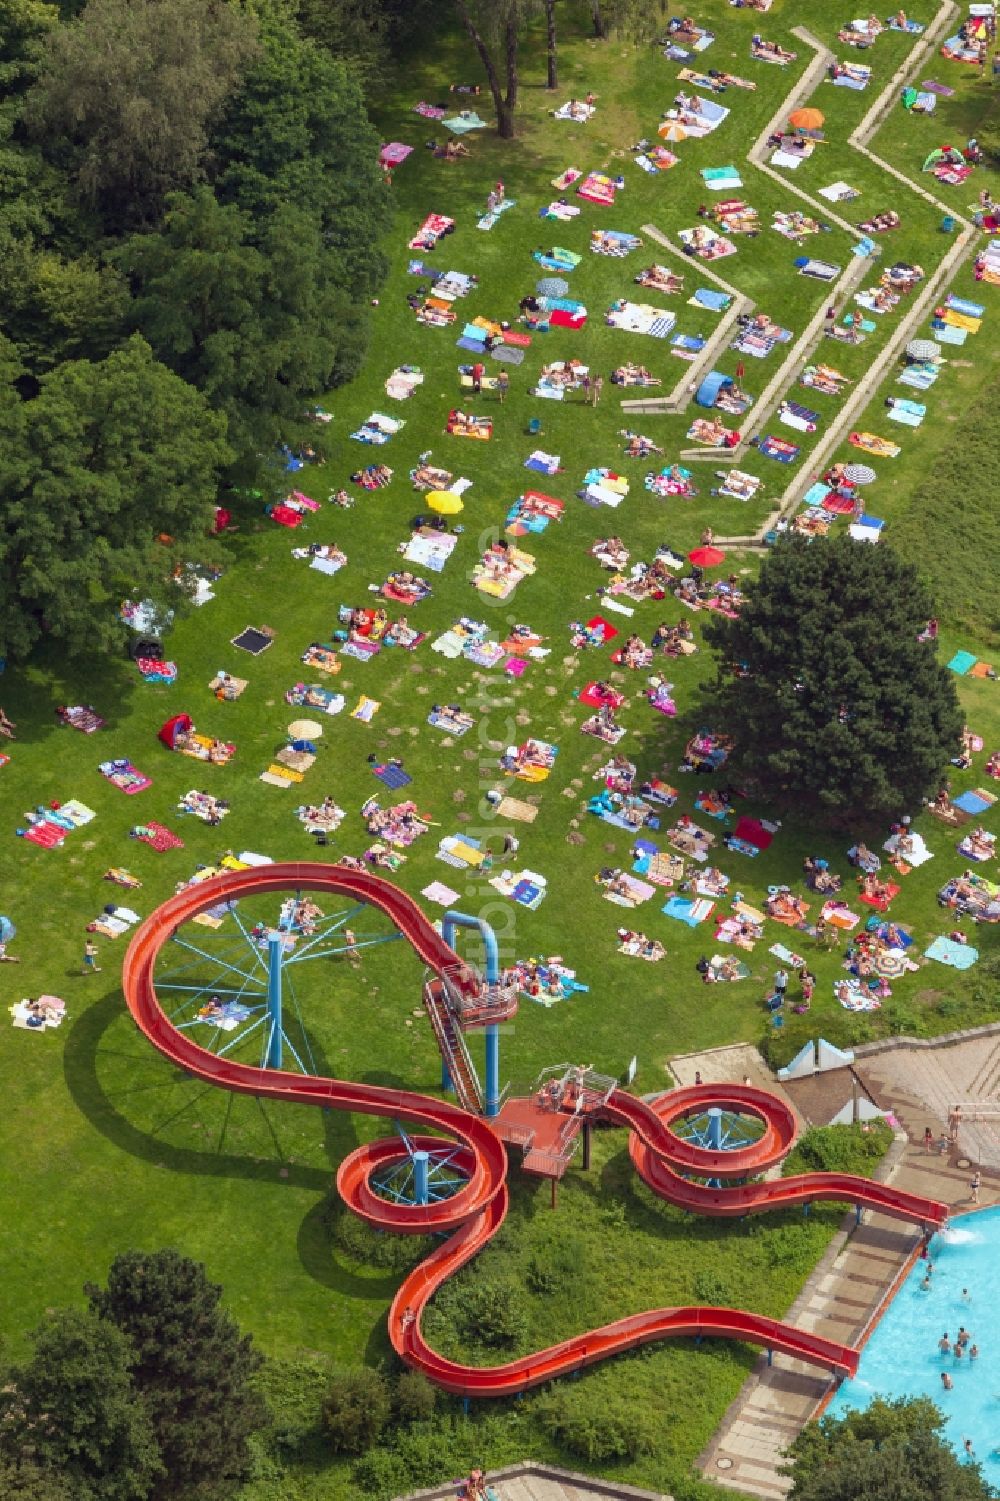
[
  {"x": 637, "y": 446},
  {"x": 760, "y": 48},
  {"x": 611, "y": 551}
]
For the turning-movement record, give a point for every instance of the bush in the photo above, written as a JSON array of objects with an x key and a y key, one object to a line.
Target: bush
[
  {"x": 355, "y": 1409},
  {"x": 596, "y": 1425},
  {"x": 492, "y": 1312},
  {"x": 416, "y": 1398},
  {"x": 707, "y": 1287},
  {"x": 840, "y": 1149},
  {"x": 382, "y": 1473},
  {"x": 379, "y": 1248}
]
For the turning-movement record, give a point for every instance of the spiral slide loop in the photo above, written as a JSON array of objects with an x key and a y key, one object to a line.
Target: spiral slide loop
[{"x": 476, "y": 1211}]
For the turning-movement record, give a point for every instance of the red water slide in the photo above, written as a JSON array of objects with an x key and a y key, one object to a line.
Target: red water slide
[{"x": 476, "y": 1212}]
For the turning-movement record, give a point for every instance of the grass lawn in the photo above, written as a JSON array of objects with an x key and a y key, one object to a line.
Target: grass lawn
[{"x": 107, "y": 1146}]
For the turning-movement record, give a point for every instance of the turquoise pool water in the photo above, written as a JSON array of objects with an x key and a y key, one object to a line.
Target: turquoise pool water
[{"x": 902, "y": 1358}]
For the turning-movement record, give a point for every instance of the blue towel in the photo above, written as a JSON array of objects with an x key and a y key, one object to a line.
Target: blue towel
[
  {"x": 475, "y": 346},
  {"x": 717, "y": 302},
  {"x": 963, "y": 305},
  {"x": 962, "y": 661},
  {"x": 971, "y": 802},
  {"x": 392, "y": 776},
  {"x": 958, "y": 955},
  {"x": 816, "y": 494}
]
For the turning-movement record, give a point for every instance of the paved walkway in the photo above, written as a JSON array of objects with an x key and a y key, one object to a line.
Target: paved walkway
[
  {"x": 529, "y": 1481},
  {"x": 862, "y": 1263},
  {"x": 924, "y": 1081}
]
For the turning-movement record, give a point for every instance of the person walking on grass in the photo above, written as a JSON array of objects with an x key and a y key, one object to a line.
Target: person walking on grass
[
  {"x": 596, "y": 387},
  {"x": 90, "y": 964},
  {"x": 351, "y": 946},
  {"x": 478, "y": 371},
  {"x": 503, "y": 385}
]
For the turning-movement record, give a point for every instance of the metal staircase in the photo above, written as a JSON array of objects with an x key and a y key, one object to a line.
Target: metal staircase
[{"x": 454, "y": 1053}]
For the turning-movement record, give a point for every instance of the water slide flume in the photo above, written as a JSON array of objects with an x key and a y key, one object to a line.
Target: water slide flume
[{"x": 477, "y": 1210}]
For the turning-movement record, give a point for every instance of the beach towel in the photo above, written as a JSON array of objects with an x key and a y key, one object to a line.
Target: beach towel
[
  {"x": 488, "y": 220},
  {"x": 392, "y": 776},
  {"x": 974, "y": 801},
  {"x": 839, "y": 192},
  {"x": 718, "y": 179},
  {"x": 158, "y": 837},
  {"x": 685, "y": 910},
  {"x": 962, "y": 661},
  {"x": 777, "y": 448},
  {"x": 365, "y": 709},
  {"x": 957, "y": 955},
  {"x": 125, "y": 776},
  {"x": 818, "y": 270}
]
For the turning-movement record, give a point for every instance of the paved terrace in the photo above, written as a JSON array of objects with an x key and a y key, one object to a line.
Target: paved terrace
[
  {"x": 919, "y": 1082},
  {"x": 529, "y": 1481}
]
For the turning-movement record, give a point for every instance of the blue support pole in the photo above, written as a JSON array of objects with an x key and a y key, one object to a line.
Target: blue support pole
[
  {"x": 275, "y": 957},
  {"x": 445, "y": 1076},
  {"x": 421, "y": 1177},
  {"x": 492, "y": 1106},
  {"x": 713, "y": 1139}
]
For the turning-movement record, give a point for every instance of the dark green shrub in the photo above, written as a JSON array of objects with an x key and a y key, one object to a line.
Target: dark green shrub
[
  {"x": 355, "y": 1409},
  {"x": 379, "y": 1248},
  {"x": 840, "y": 1149},
  {"x": 707, "y": 1287},
  {"x": 416, "y": 1398},
  {"x": 596, "y": 1425},
  {"x": 491, "y": 1312}
]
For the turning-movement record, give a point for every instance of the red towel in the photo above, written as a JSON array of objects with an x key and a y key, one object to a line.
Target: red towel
[
  {"x": 561, "y": 319},
  {"x": 752, "y": 831},
  {"x": 607, "y": 629}
]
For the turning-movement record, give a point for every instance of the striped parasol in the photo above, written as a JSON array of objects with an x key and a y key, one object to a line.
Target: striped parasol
[
  {"x": 860, "y": 474},
  {"x": 923, "y": 349}
]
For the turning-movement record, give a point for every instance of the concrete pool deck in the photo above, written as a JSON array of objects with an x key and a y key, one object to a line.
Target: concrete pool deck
[{"x": 849, "y": 1285}]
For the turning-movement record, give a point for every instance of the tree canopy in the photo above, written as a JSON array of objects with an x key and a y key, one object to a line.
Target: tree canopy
[
  {"x": 892, "y": 1451},
  {"x": 128, "y": 91},
  {"x": 192, "y": 1367},
  {"x": 72, "y": 1409},
  {"x": 832, "y": 701},
  {"x": 104, "y": 460}
]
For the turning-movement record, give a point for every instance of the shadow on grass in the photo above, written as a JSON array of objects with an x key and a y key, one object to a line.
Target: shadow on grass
[{"x": 82, "y": 1053}]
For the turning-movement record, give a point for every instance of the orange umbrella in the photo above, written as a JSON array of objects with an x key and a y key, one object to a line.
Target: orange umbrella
[
  {"x": 672, "y": 130},
  {"x": 806, "y": 119}
]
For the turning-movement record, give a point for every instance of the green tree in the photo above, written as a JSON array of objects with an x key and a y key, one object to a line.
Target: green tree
[
  {"x": 893, "y": 1451},
  {"x": 356, "y": 1409},
  {"x": 24, "y": 27},
  {"x": 29, "y": 1482},
  {"x": 246, "y": 312},
  {"x": 193, "y": 1368},
  {"x": 57, "y": 309},
  {"x": 297, "y": 135},
  {"x": 73, "y": 1409},
  {"x": 103, "y": 461},
  {"x": 834, "y": 705},
  {"x": 128, "y": 93},
  {"x": 494, "y": 28}
]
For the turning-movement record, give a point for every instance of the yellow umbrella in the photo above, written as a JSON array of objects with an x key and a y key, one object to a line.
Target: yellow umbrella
[
  {"x": 305, "y": 729},
  {"x": 445, "y": 502},
  {"x": 672, "y": 130}
]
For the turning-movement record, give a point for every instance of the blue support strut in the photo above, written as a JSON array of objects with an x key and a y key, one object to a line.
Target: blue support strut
[{"x": 275, "y": 958}]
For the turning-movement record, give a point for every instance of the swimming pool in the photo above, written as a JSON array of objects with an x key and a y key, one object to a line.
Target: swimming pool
[{"x": 902, "y": 1359}]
